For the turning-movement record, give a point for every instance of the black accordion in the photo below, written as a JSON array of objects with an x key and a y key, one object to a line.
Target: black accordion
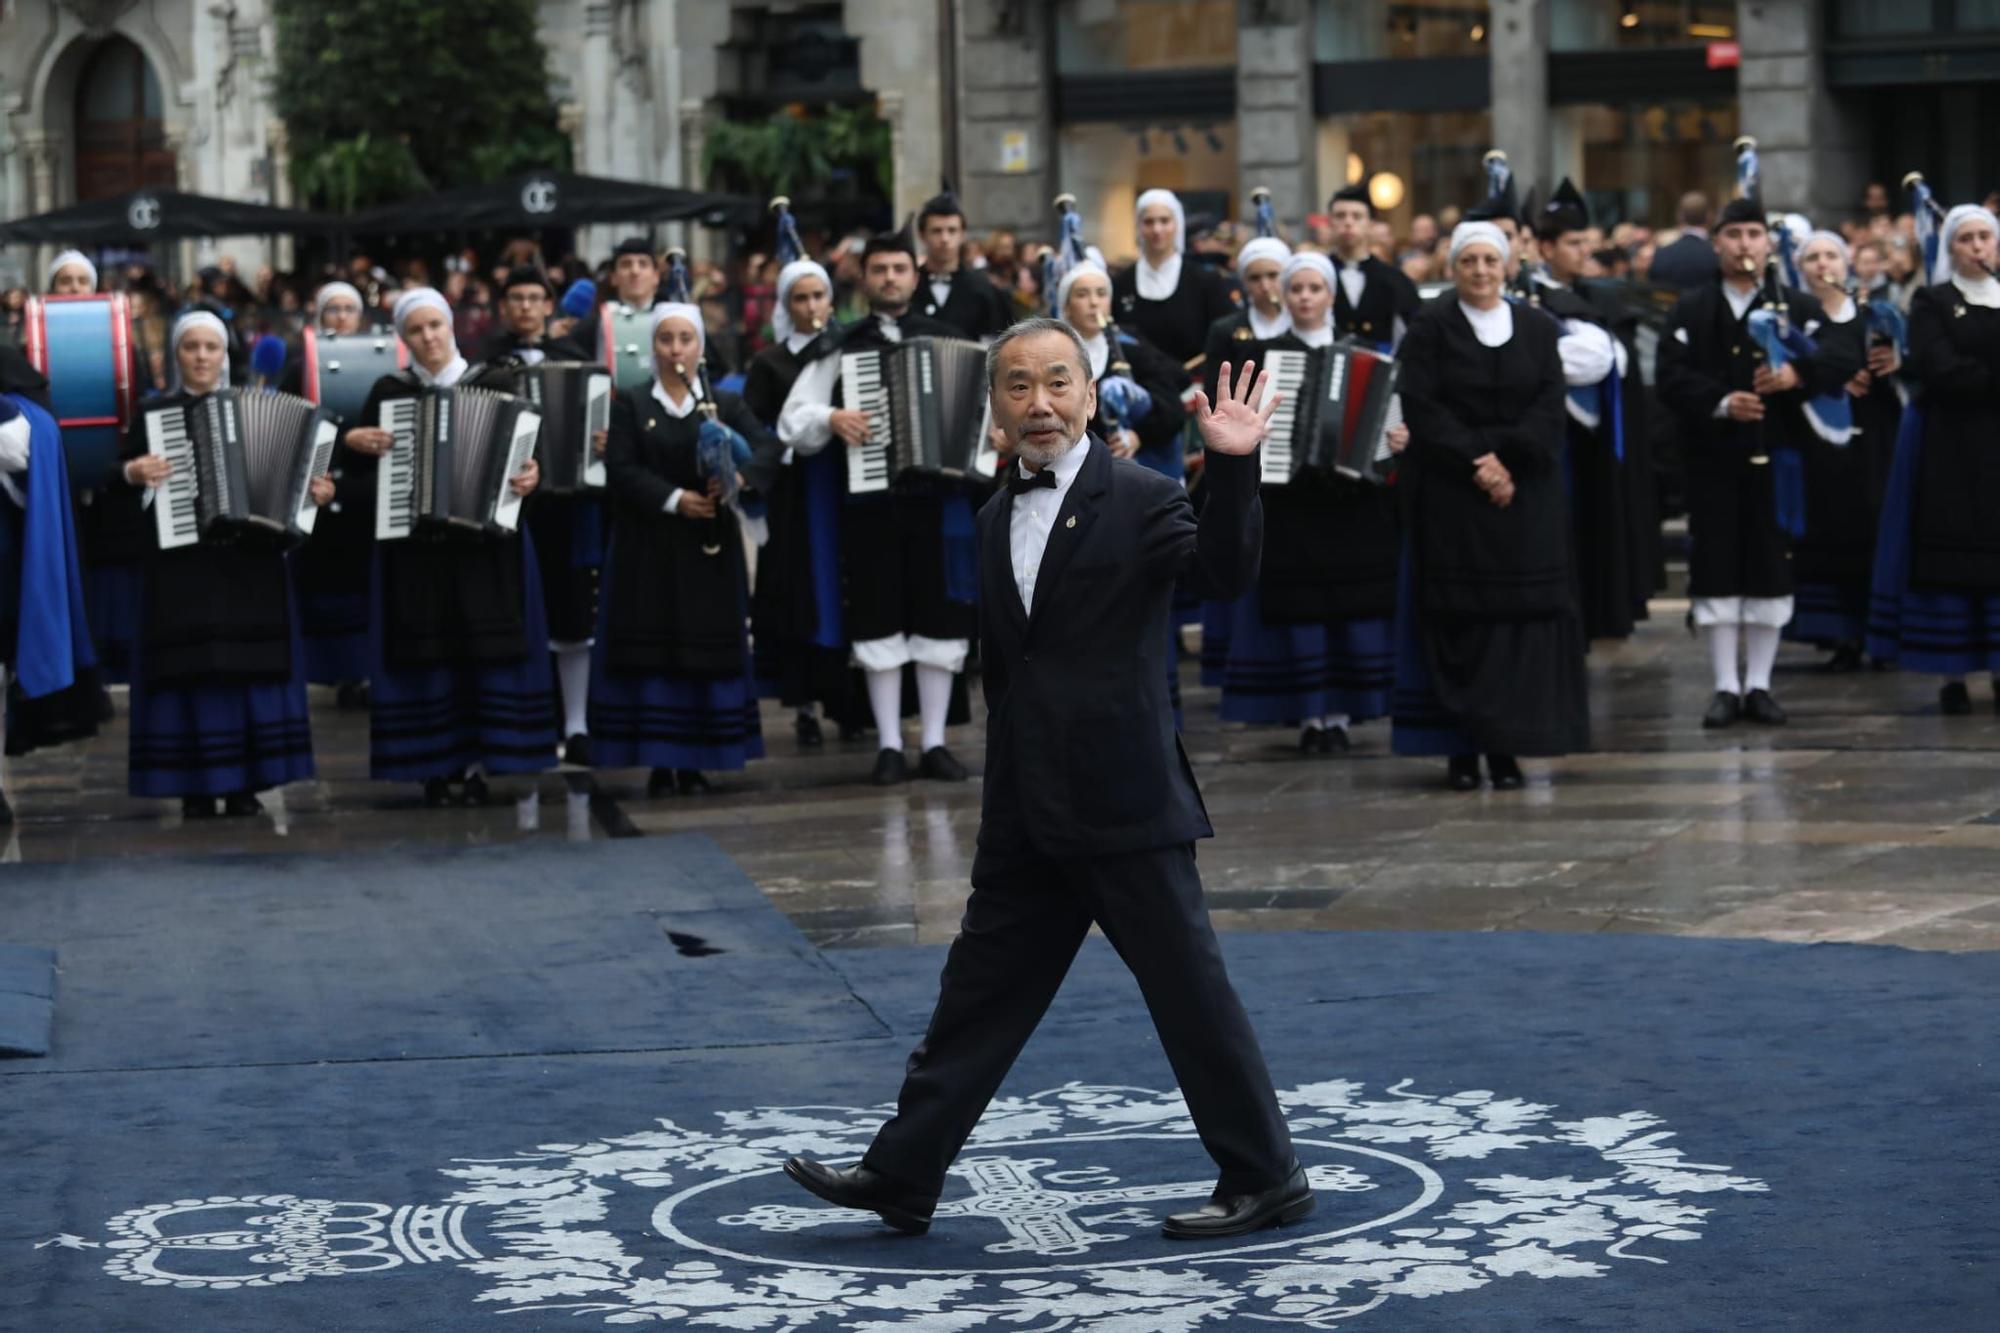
[
  {"x": 574, "y": 399},
  {"x": 455, "y": 451},
  {"x": 1339, "y": 402},
  {"x": 244, "y": 462},
  {"x": 926, "y": 404}
]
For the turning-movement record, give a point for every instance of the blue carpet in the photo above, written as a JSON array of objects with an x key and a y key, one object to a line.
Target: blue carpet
[
  {"x": 556, "y": 1124},
  {"x": 27, "y": 999}
]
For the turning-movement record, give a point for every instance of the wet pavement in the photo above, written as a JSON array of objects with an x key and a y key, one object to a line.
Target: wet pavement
[{"x": 1869, "y": 818}]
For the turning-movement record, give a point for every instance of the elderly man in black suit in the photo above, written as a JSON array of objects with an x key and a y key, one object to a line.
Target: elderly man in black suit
[
  {"x": 1090, "y": 811},
  {"x": 1690, "y": 261}
]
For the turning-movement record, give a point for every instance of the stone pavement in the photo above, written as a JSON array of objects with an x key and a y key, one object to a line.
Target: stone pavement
[{"x": 1870, "y": 818}]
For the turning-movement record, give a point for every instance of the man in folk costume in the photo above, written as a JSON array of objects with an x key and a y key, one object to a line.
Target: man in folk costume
[
  {"x": 1741, "y": 421},
  {"x": 950, "y": 292},
  {"x": 1596, "y": 369},
  {"x": 1372, "y": 301},
  {"x": 907, "y": 589}
]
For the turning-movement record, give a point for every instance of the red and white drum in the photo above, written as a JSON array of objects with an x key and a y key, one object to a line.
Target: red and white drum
[
  {"x": 340, "y": 368},
  {"x": 84, "y": 345}
]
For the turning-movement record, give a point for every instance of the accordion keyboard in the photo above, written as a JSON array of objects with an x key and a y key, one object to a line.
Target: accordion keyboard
[
  {"x": 174, "y": 509},
  {"x": 396, "y": 494},
  {"x": 1289, "y": 374},
  {"x": 865, "y": 388}
]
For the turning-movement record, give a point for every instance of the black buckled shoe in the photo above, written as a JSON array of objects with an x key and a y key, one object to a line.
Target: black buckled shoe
[
  {"x": 1462, "y": 774},
  {"x": 437, "y": 792},
  {"x": 1723, "y": 711},
  {"x": 241, "y": 805},
  {"x": 1846, "y": 658},
  {"x": 197, "y": 807},
  {"x": 806, "y": 727},
  {"x": 1954, "y": 700},
  {"x": 660, "y": 782},
  {"x": 866, "y": 1189},
  {"x": 939, "y": 764},
  {"x": 1237, "y": 1214},
  {"x": 1334, "y": 740},
  {"x": 1309, "y": 740},
  {"x": 690, "y": 782},
  {"x": 1761, "y": 708},
  {"x": 576, "y": 751},
  {"x": 1506, "y": 771},
  {"x": 476, "y": 792},
  {"x": 890, "y": 768}
]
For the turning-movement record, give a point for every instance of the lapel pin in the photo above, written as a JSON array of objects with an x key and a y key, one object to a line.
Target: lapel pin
[
  {"x": 650, "y": 423},
  {"x": 1072, "y": 521}
]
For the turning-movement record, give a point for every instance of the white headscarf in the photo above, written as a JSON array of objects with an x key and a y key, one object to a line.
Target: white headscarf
[
  {"x": 1476, "y": 233},
  {"x": 419, "y": 298},
  {"x": 195, "y": 319},
  {"x": 1303, "y": 260},
  {"x": 1263, "y": 247},
  {"x": 64, "y": 260},
  {"x": 332, "y": 289},
  {"x": 1172, "y": 201},
  {"x": 1082, "y": 267},
  {"x": 689, "y": 314},
  {"x": 781, "y": 317},
  {"x": 1953, "y": 220}
]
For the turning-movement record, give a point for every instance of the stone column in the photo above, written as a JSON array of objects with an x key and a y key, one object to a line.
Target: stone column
[
  {"x": 1276, "y": 139},
  {"x": 1518, "y": 38},
  {"x": 44, "y": 152},
  {"x": 1811, "y": 146},
  {"x": 1006, "y": 122},
  {"x": 899, "y": 63}
]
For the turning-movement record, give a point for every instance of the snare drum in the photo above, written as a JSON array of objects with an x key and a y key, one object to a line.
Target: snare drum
[
  {"x": 84, "y": 345},
  {"x": 341, "y": 368}
]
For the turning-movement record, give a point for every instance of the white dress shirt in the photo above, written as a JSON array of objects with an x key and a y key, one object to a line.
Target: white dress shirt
[
  {"x": 1157, "y": 284},
  {"x": 805, "y": 423},
  {"x": 1352, "y": 281},
  {"x": 680, "y": 411},
  {"x": 1034, "y": 518}
]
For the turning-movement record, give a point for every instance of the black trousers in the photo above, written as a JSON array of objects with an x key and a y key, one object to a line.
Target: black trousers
[
  {"x": 892, "y": 570},
  {"x": 1023, "y": 925}
]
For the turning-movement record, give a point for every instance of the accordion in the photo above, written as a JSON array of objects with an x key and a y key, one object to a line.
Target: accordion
[
  {"x": 1339, "y": 402},
  {"x": 339, "y": 369},
  {"x": 243, "y": 464},
  {"x": 926, "y": 404},
  {"x": 574, "y": 400},
  {"x": 455, "y": 451}
]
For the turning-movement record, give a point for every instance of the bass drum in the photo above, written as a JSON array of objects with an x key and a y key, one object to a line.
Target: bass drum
[
  {"x": 341, "y": 368},
  {"x": 84, "y": 345}
]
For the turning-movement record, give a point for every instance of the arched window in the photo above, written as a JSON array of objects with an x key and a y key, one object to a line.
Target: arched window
[{"x": 120, "y": 137}]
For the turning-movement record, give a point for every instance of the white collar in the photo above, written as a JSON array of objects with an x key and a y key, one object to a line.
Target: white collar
[
  {"x": 1263, "y": 329},
  {"x": 683, "y": 409},
  {"x": 1983, "y": 291},
  {"x": 1839, "y": 314},
  {"x": 798, "y": 340},
  {"x": 454, "y": 371},
  {"x": 1098, "y": 348},
  {"x": 1738, "y": 302},
  {"x": 1067, "y": 466},
  {"x": 1319, "y": 337},
  {"x": 892, "y": 327},
  {"x": 1157, "y": 284},
  {"x": 1492, "y": 327}
]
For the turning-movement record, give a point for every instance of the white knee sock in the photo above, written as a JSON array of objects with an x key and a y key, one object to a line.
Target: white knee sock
[
  {"x": 885, "y": 697},
  {"x": 1760, "y": 654},
  {"x": 573, "y": 670},
  {"x": 1722, "y": 657},
  {"x": 933, "y": 702}
]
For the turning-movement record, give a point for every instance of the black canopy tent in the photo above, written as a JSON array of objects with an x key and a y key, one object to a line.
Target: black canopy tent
[
  {"x": 142, "y": 217},
  {"x": 539, "y": 199}
]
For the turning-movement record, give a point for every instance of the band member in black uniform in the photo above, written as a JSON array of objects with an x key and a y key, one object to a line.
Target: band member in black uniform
[
  {"x": 1090, "y": 814},
  {"x": 1734, "y": 411},
  {"x": 796, "y": 614},
  {"x": 1372, "y": 301},
  {"x": 1938, "y": 534},
  {"x": 330, "y": 573},
  {"x": 568, "y": 529},
  {"x": 218, "y": 683},
  {"x": 1490, "y": 650},
  {"x": 948, "y": 291},
  {"x": 1833, "y": 560},
  {"x": 1166, "y": 298},
  {"x": 635, "y": 288},
  {"x": 1262, "y": 315},
  {"x": 1145, "y": 426},
  {"x": 671, "y": 688},
  {"x": 1597, "y": 458},
  {"x": 906, "y": 586},
  {"x": 461, "y": 675}
]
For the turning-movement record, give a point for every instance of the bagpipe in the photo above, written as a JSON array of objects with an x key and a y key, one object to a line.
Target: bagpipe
[
  {"x": 1124, "y": 403},
  {"x": 719, "y": 450}
]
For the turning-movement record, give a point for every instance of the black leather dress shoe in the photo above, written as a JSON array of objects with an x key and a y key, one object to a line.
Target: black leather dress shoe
[
  {"x": 1723, "y": 711},
  {"x": 1760, "y": 707},
  {"x": 1463, "y": 773},
  {"x": 690, "y": 782},
  {"x": 197, "y": 807},
  {"x": 890, "y": 769},
  {"x": 939, "y": 764},
  {"x": 871, "y": 1191},
  {"x": 1309, "y": 740},
  {"x": 806, "y": 727},
  {"x": 475, "y": 791},
  {"x": 437, "y": 792},
  {"x": 660, "y": 782},
  {"x": 1334, "y": 740},
  {"x": 1506, "y": 772},
  {"x": 1954, "y": 700},
  {"x": 241, "y": 805},
  {"x": 1846, "y": 658},
  {"x": 576, "y": 751},
  {"x": 1236, "y": 1214}
]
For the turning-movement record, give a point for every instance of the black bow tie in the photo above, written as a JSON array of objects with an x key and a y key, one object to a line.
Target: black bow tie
[{"x": 1017, "y": 483}]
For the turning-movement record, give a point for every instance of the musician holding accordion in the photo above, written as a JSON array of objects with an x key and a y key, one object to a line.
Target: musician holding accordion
[
  {"x": 1489, "y": 644},
  {"x": 218, "y": 685},
  {"x": 462, "y": 685},
  {"x": 1311, "y": 644}
]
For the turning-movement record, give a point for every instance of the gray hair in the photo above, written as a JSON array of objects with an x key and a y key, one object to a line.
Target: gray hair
[{"x": 1028, "y": 328}]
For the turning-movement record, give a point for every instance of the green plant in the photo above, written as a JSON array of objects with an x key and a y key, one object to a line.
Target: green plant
[{"x": 789, "y": 152}]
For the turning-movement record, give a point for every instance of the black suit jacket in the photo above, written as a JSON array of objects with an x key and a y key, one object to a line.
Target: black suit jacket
[
  {"x": 1082, "y": 757},
  {"x": 1688, "y": 263}
]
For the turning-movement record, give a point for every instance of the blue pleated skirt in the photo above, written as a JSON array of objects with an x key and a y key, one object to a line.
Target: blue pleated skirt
[
  {"x": 437, "y": 721},
  {"x": 1285, "y": 673},
  {"x": 112, "y": 598},
  {"x": 218, "y": 739},
  {"x": 668, "y": 721},
  {"x": 335, "y": 628},
  {"x": 1825, "y": 612},
  {"x": 1942, "y": 632}
]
